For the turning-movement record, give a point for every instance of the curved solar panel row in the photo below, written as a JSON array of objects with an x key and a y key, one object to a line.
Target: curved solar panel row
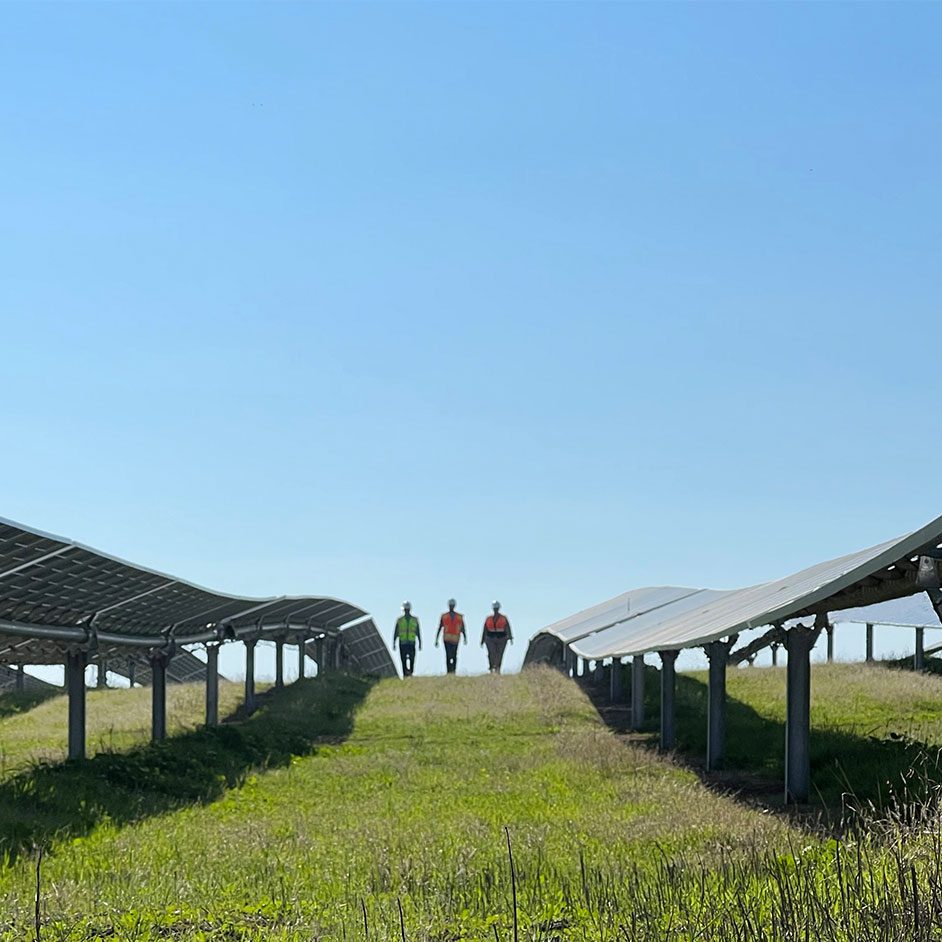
[
  {"x": 55, "y": 590},
  {"x": 694, "y": 617}
]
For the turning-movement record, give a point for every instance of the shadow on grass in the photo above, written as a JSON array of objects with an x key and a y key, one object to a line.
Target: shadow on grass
[
  {"x": 847, "y": 768},
  {"x": 14, "y": 702},
  {"x": 54, "y": 801}
]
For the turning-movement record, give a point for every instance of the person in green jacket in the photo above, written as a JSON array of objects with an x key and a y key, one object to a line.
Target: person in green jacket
[{"x": 407, "y": 633}]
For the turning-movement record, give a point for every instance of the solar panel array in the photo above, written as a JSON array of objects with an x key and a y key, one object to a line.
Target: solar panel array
[
  {"x": 669, "y": 618},
  {"x": 55, "y": 591}
]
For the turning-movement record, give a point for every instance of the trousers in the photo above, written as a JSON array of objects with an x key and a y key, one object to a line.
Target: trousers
[
  {"x": 495, "y": 644},
  {"x": 407, "y": 655},
  {"x": 451, "y": 656}
]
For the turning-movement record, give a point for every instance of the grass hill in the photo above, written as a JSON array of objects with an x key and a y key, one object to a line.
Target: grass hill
[{"x": 340, "y": 801}]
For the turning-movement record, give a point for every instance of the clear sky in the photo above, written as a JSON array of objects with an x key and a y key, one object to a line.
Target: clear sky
[{"x": 535, "y": 302}]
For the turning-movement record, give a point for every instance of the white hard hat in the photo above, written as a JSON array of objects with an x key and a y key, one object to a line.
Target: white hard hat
[
  {"x": 495, "y": 604},
  {"x": 407, "y": 604},
  {"x": 452, "y": 602}
]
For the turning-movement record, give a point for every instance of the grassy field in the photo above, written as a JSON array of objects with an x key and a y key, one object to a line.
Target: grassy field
[
  {"x": 875, "y": 731},
  {"x": 340, "y": 801}
]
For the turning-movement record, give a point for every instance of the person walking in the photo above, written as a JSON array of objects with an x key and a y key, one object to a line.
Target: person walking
[
  {"x": 407, "y": 633},
  {"x": 451, "y": 628},
  {"x": 496, "y": 634}
]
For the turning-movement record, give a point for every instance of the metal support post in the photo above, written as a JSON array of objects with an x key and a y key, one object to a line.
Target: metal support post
[
  {"x": 101, "y": 677},
  {"x": 919, "y": 658},
  {"x": 774, "y": 646},
  {"x": 718, "y": 653},
  {"x": 319, "y": 647},
  {"x": 75, "y": 685},
  {"x": 279, "y": 664},
  {"x": 20, "y": 678},
  {"x": 615, "y": 681},
  {"x": 599, "y": 674},
  {"x": 637, "y": 691},
  {"x": 250, "y": 673},
  {"x": 798, "y": 642},
  {"x": 132, "y": 670},
  {"x": 869, "y": 654},
  {"x": 212, "y": 684},
  {"x": 301, "y": 656},
  {"x": 668, "y": 699},
  {"x": 830, "y": 631},
  {"x": 158, "y": 703}
]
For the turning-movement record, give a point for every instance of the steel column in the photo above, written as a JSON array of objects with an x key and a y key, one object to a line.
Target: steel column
[
  {"x": 615, "y": 681},
  {"x": 20, "y": 678},
  {"x": 319, "y": 649},
  {"x": 279, "y": 664},
  {"x": 668, "y": 699},
  {"x": 637, "y": 691},
  {"x": 774, "y": 647},
  {"x": 132, "y": 670},
  {"x": 830, "y": 631},
  {"x": 718, "y": 653},
  {"x": 101, "y": 677},
  {"x": 869, "y": 655},
  {"x": 798, "y": 642},
  {"x": 250, "y": 673},
  {"x": 301, "y": 656},
  {"x": 212, "y": 684},
  {"x": 75, "y": 685},
  {"x": 919, "y": 658},
  {"x": 598, "y": 675},
  {"x": 158, "y": 703}
]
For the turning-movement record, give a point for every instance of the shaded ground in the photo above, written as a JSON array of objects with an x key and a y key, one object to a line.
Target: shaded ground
[
  {"x": 876, "y": 732},
  {"x": 50, "y": 802}
]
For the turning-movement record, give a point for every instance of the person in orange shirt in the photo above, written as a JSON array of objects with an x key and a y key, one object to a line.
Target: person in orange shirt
[
  {"x": 451, "y": 628},
  {"x": 496, "y": 634}
]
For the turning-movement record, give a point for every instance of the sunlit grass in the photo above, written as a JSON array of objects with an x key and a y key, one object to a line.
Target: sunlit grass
[{"x": 341, "y": 800}]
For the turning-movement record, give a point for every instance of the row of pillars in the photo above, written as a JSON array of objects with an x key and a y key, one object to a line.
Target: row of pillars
[
  {"x": 76, "y": 662},
  {"x": 798, "y": 643}
]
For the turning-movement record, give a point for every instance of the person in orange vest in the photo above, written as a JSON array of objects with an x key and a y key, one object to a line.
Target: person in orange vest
[
  {"x": 496, "y": 634},
  {"x": 451, "y": 628}
]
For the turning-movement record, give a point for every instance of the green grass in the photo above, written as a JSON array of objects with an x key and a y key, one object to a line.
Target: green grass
[
  {"x": 33, "y": 726},
  {"x": 401, "y": 791},
  {"x": 341, "y": 799},
  {"x": 871, "y": 727}
]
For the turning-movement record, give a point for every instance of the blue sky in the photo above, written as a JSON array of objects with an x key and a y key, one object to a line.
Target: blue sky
[{"x": 540, "y": 302}]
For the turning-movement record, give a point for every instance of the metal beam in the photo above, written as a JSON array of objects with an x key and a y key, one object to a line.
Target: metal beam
[
  {"x": 279, "y": 664},
  {"x": 75, "y": 686},
  {"x": 668, "y": 699},
  {"x": 212, "y": 684},
  {"x": 250, "y": 674},
  {"x": 616, "y": 681},
  {"x": 158, "y": 703},
  {"x": 798, "y": 643},
  {"x": 718, "y": 654},
  {"x": 637, "y": 691}
]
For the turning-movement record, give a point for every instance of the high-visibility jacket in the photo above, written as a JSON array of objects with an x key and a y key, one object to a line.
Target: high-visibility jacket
[
  {"x": 496, "y": 624},
  {"x": 452, "y": 625},
  {"x": 407, "y": 628}
]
